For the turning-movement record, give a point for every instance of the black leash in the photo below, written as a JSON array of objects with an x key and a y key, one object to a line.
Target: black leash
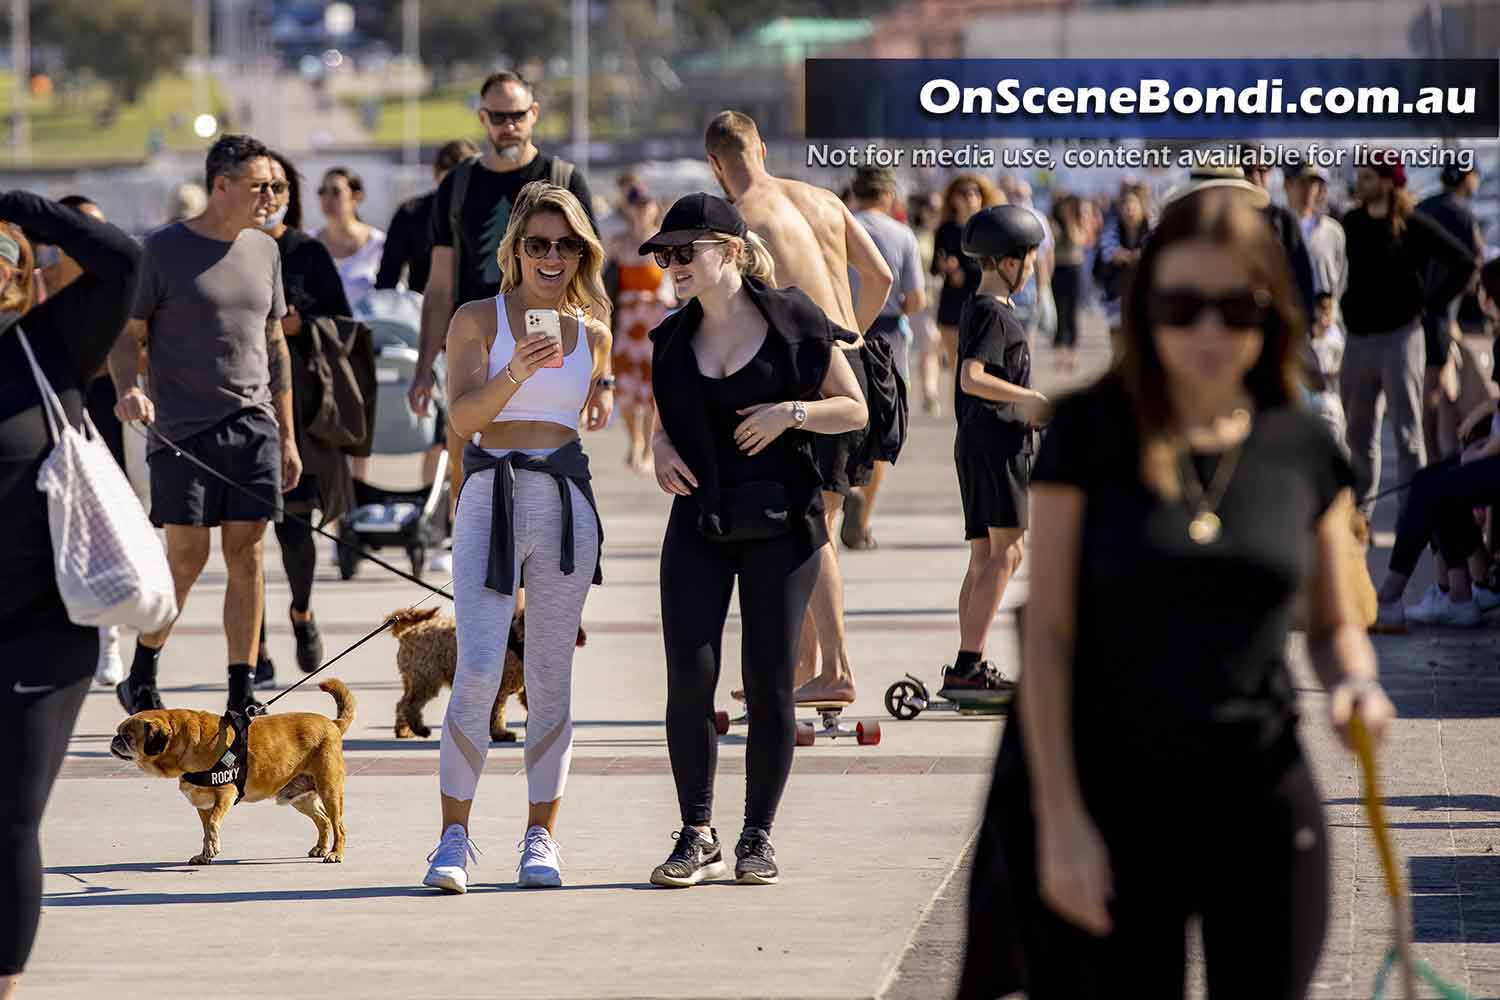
[
  {"x": 255, "y": 709},
  {"x": 177, "y": 449}
]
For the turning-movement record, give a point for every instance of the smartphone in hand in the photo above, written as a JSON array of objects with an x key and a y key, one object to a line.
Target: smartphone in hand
[{"x": 548, "y": 323}]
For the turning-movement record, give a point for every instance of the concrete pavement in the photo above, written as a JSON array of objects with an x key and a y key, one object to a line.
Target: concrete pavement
[{"x": 872, "y": 840}]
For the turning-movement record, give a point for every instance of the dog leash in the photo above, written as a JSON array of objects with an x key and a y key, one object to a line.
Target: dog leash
[
  {"x": 150, "y": 430},
  {"x": 1398, "y": 958}
]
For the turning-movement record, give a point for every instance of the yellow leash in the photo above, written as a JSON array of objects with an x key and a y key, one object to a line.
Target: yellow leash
[{"x": 1399, "y": 956}]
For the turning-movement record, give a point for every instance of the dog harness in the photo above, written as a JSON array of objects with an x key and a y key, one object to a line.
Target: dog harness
[{"x": 232, "y": 768}]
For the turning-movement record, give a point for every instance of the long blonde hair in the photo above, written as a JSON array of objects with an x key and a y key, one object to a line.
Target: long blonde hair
[
  {"x": 20, "y": 295},
  {"x": 586, "y": 288},
  {"x": 754, "y": 259}
]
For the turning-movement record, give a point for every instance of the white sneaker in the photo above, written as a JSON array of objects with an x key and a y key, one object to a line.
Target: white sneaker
[
  {"x": 1437, "y": 608},
  {"x": 110, "y": 670},
  {"x": 449, "y": 868},
  {"x": 1488, "y": 600},
  {"x": 541, "y": 866},
  {"x": 441, "y": 562}
]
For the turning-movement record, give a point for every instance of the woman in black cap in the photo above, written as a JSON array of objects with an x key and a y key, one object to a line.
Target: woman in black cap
[{"x": 744, "y": 374}]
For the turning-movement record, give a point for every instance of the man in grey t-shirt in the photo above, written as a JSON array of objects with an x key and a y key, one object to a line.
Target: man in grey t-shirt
[
  {"x": 874, "y": 191},
  {"x": 208, "y": 312}
]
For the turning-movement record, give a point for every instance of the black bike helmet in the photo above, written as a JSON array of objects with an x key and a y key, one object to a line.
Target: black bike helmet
[{"x": 1002, "y": 231}]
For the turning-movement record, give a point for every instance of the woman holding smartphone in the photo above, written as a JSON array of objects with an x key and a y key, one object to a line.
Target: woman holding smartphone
[{"x": 523, "y": 366}]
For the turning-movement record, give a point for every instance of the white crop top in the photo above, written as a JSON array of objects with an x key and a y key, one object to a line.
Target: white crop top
[{"x": 552, "y": 395}]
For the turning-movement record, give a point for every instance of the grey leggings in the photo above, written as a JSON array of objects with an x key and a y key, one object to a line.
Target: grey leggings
[
  {"x": 554, "y": 607},
  {"x": 1383, "y": 370}
]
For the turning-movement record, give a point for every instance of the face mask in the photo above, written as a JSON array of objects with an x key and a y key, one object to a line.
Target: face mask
[{"x": 275, "y": 218}]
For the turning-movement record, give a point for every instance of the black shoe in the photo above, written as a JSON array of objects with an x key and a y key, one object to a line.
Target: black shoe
[
  {"x": 135, "y": 699},
  {"x": 309, "y": 645},
  {"x": 694, "y": 859},
  {"x": 982, "y": 678},
  {"x": 757, "y": 859},
  {"x": 265, "y": 672}
]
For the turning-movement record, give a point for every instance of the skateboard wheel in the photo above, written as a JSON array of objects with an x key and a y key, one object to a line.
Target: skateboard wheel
[
  {"x": 721, "y": 722},
  {"x": 805, "y": 734},
  {"x": 902, "y": 700},
  {"x": 867, "y": 734}
]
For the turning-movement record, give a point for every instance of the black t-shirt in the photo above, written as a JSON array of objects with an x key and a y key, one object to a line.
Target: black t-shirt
[
  {"x": 408, "y": 244},
  {"x": 485, "y": 214},
  {"x": 309, "y": 276},
  {"x": 71, "y": 335},
  {"x": 761, "y": 380},
  {"x": 1180, "y": 648},
  {"x": 1394, "y": 279},
  {"x": 948, "y": 241},
  {"x": 989, "y": 331}
]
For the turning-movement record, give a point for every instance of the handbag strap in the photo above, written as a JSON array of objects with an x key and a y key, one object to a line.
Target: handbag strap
[{"x": 52, "y": 408}]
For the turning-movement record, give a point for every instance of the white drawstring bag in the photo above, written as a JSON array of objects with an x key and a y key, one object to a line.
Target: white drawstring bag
[{"x": 111, "y": 568}]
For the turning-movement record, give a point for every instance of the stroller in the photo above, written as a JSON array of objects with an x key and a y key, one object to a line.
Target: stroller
[{"x": 414, "y": 520}]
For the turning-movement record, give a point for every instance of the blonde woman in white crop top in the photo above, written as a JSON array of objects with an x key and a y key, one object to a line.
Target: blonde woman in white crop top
[{"x": 521, "y": 419}]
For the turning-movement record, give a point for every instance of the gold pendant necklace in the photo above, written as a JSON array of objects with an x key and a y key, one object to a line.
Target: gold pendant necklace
[{"x": 1205, "y": 527}]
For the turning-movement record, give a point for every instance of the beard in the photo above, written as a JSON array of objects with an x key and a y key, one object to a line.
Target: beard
[{"x": 509, "y": 149}]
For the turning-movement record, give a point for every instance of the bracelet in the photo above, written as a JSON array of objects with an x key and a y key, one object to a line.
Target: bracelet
[
  {"x": 606, "y": 381},
  {"x": 508, "y": 374}
]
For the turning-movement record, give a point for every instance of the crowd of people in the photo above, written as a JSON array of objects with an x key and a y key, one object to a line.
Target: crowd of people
[{"x": 759, "y": 348}]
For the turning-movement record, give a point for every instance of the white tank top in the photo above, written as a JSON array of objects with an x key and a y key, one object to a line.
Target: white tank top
[{"x": 551, "y": 395}]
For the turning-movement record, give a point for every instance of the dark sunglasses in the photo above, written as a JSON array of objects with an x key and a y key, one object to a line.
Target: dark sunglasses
[
  {"x": 540, "y": 248},
  {"x": 277, "y": 188},
  {"x": 1244, "y": 308},
  {"x": 329, "y": 191},
  {"x": 504, "y": 117},
  {"x": 681, "y": 255}
]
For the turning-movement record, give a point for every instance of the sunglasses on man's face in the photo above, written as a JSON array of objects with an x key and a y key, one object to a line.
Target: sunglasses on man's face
[
  {"x": 277, "y": 188},
  {"x": 498, "y": 118},
  {"x": 681, "y": 255},
  {"x": 1242, "y": 309},
  {"x": 540, "y": 248}
]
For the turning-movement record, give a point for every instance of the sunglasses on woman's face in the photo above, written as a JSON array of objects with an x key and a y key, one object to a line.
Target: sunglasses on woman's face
[
  {"x": 681, "y": 255},
  {"x": 540, "y": 248},
  {"x": 1244, "y": 308}
]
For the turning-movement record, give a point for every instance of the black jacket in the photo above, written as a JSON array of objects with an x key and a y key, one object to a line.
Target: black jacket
[
  {"x": 1289, "y": 234},
  {"x": 797, "y": 324},
  {"x": 333, "y": 386}
]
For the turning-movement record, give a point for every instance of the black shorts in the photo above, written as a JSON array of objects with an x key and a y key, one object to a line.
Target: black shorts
[
  {"x": 841, "y": 457},
  {"x": 994, "y": 476},
  {"x": 245, "y": 448}
]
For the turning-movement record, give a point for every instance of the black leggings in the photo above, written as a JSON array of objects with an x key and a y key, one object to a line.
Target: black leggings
[
  {"x": 697, "y": 577},
  {"x": 299, "y": 557},
  {"x": 44, "y": 675},
  {"x": 1067, "y": 281},
  {"x": 1440, "y": 507}
]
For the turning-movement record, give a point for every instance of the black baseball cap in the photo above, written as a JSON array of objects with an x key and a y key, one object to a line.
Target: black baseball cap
[{"x": 693, "y": 217}]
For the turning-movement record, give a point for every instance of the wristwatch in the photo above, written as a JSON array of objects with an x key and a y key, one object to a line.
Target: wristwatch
[
  {"x": 799, "y": 412},
  {"x": 606, "y": 382}
]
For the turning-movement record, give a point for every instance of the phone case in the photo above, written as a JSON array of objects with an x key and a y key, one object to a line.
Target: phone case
[{"x": 546, "y": 321}]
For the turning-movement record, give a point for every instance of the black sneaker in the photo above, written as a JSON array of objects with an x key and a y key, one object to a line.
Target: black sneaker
[
  {"x": 309, "y": 645},
  {"x": 265, "y": 671},
  {"x": 757, "y": 859},
  {"x": 984, "y": 678},
  {"x": 694, "y": 859},
  {"x": 135, "y": 699}
]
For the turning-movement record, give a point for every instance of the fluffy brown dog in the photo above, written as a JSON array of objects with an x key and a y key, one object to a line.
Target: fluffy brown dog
[
  {"x": 427, "y": 657},
  {"x": 298, "y": 758}
]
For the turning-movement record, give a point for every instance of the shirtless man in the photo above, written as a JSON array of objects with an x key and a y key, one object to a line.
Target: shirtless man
[{"x": 814, "y": 240}]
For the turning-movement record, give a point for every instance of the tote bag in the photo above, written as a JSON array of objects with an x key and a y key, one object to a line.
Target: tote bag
[{"x": 111, "y": 568}]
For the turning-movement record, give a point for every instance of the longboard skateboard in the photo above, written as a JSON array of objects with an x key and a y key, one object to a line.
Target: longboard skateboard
[{"x": 828, "y": 727}]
